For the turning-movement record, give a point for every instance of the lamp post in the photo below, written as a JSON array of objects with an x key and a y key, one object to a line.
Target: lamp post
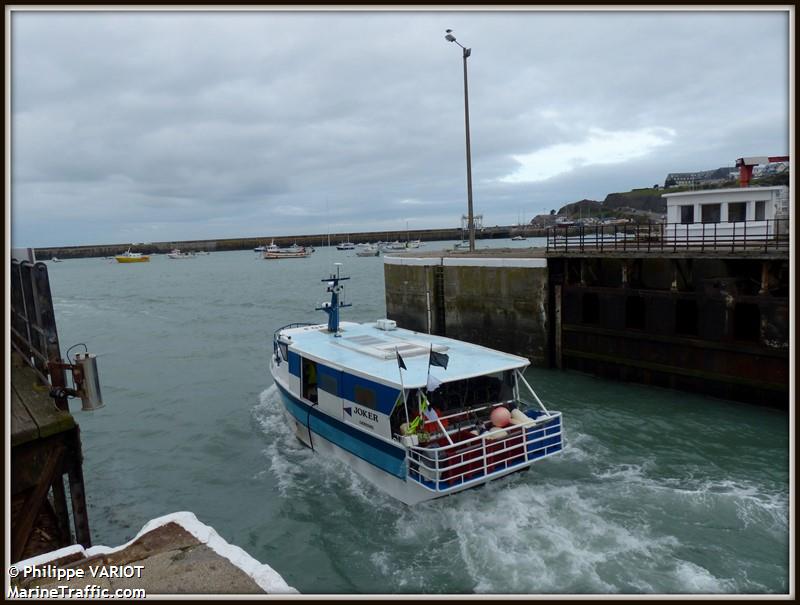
[{"x": 466, "y": 53}]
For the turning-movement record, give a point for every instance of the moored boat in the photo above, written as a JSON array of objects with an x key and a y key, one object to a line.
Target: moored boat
[
  {"x": 368, "y": 250},
  {"x": 273, "y": 252},
  {"x": 177, "y": 254},
  {"x": 132, "y": 257},
  {"x": 420, "y": 416},
  {"x": 348, "y": 245}
]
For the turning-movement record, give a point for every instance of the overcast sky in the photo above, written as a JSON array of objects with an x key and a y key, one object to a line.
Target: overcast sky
[{"x": 158, "y": 126}]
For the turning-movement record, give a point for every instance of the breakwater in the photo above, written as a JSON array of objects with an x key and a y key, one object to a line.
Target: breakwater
[{"x": 248, "y": 243}]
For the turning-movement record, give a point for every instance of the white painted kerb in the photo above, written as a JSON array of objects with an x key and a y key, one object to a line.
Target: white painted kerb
[
  {"x": 262, "y": 574},
  {"x": 533, "y": 263}
]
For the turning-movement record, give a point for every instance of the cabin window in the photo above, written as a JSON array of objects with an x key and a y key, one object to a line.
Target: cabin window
[
  {"x": 746, "y": 322},
  {"x": 329, "y": 384},
  {"x": 365, "y": 396},
  {"x": 711, "y": 213},
  {"x": 634, "y": 313},
  {"x": 686, "y": 317},
  {"x": 737, "y": 212},
  {"x": 687, "y": 215},
  {"x": 761, "y": 211},
  {"x": 590, "y": 311}
]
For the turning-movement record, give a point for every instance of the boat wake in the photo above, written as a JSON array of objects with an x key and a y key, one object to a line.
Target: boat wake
[{"x": 575, "y": 525}]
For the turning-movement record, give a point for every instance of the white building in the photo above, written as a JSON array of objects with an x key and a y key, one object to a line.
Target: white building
[{"x": 728, "y": 212}]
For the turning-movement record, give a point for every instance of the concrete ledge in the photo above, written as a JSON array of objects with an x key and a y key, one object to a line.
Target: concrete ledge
[{"x": 179, "y": 555}]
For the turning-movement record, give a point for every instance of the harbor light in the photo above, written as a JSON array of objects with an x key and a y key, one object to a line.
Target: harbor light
[{"x": 466, "y": 53}]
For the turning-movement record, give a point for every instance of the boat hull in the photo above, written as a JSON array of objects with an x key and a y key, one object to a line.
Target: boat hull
[{"x": 127, "y": 259}]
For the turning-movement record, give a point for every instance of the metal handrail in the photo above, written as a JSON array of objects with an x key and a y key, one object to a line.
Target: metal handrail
[
  {"x": 431, "y": 463},
  {"x": 731, "y": 236}
]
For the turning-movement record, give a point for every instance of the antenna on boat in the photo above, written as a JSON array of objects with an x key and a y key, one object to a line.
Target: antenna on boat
[{"x": 332, "y": 307}]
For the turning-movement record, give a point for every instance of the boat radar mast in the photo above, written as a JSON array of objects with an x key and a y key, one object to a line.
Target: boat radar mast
[{"x": 332, "y": 307}]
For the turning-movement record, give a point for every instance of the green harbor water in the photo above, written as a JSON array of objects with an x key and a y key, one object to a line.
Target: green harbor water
[{"x": 657, "y": 491}]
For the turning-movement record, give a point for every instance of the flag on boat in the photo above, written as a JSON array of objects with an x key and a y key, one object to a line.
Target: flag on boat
[
  {"x": 439, "y": 359},
  {"x": 430, "y": 414},
  {"x": 433, "y": 383},
  {"x": 400, "y": 361}
]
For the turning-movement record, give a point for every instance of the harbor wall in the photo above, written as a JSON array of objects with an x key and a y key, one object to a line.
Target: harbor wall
[
  {"x": 500, "y": 303},
  {"x": 248, "y": 243},
  {"x": 716, "y": 324}
]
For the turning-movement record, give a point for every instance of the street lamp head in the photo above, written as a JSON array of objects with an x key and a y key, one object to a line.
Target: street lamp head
[{"x": 450, "y": 37}]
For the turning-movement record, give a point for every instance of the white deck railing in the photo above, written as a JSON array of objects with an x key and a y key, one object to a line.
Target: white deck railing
[{"x": 477, "y": 458}]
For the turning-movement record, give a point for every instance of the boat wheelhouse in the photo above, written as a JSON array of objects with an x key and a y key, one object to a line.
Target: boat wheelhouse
[{"x": 421, "y": 416}]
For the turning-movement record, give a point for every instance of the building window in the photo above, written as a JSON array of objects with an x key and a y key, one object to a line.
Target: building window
[
  {"x": 634, "y": 313},
  {"x": 747, "y": 322},
  {"x": 687, "y": 215},
  {"x": 710, "y": 213},
  {"x": 590, "y": 312},
  {"x": 761, "y": 211},
  {"x": 686, "y": 317},
  {"x": 365, "y": 396},
  {"x": 737, "y": 212}
]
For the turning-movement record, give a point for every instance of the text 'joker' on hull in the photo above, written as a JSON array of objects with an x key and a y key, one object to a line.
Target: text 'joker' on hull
[{"x": 420, "y": 416}]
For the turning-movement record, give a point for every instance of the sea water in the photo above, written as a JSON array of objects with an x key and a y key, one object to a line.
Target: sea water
[{"x": 657, "y": 491}]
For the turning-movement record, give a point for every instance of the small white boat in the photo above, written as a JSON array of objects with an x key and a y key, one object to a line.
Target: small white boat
[
  {"x": 55, "y": 259},
  {"x": 177, "y": 254},
  {"x": 395, "y": 245},
  {"x": 518, "y": 238},
  {"x": 368, "y": 250},
  {"x": 414, "y": 243},
  {"x": 261, "y": 248},
  {"x": 420, "y": 416},
  {"x": 462, "y": 244},
  {"x": 346, "y": 246}
]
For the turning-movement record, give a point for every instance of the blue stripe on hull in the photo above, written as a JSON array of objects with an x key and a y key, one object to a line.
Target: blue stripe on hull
[{"x": 387, "y": 457}]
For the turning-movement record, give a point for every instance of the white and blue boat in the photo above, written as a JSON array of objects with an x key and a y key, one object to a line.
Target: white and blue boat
[{"x": 420, "y": 416}]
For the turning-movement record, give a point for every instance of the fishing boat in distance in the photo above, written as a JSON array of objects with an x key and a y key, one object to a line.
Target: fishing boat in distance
[
  {"x": 368, "y": 250},
  {"x": 418, "y": 415},
  {"x": 132, "y": 257},
  {"x": 274, "y": 252},
  {"x": 177, "y": 254},
  {"x": 348, "y": 245}
]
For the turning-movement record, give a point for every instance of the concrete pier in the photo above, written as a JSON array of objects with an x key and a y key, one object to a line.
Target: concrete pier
[
  {"x": 714, "y": 322},
  {"x": 171, "y": 555},
  {"x": 496, "y": 298}
]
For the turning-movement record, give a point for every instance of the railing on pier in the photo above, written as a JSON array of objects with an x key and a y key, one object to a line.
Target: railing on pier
[
  {"x": 766, "y": 235},
  {"x": 471, "y": 459},
  {"x": 33, "y": 324}
]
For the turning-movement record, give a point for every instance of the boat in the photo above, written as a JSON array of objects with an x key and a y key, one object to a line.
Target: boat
[
  {"x": 55, "y": 259},
  {"x": 414, "y": 243},
  {"x": 395, "y": 245},
  {"x": 418, "y": 415},
  {"x": 518, "y": 238},
  {"x": 177, "y": 254},
  {"x": 368, "y": 250},
  {"x": 346, "y": 246},
  {"x": 462, "y": 244},
  {"x": 261, "y": 248},
  {"x": 274, "y": 252},
  {"x": 132, "y": 257}
]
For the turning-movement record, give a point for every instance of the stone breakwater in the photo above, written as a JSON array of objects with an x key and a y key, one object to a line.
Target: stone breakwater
[{"x": 248, "y": 243}]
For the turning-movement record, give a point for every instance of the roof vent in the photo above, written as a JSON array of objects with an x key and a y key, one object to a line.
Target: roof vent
[{"x": 386, "y": 324}]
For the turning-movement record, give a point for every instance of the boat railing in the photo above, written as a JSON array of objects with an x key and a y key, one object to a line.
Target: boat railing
[
  {"x": 473, "y": 459},
  {"x": 300, "y": 324}
]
